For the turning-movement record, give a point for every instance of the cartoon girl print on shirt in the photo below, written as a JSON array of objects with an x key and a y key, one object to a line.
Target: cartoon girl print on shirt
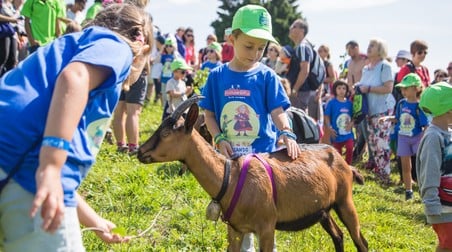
[
  {"x": 241, "y": 125},
  {"x": 407, "y": 124},
  {"x": 242, "y": 120},
  {"x": 343, "y": 120}
]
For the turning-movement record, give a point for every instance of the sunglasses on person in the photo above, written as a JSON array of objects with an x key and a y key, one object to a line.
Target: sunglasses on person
[
  {"x": 189, "y": 35},
  {"x": 421, "y": 52},
  {"x": 210, "y": 51},
  {"x": 449, "y": 68},
  {"x": 169, "y": 46},
  {"x": 182, "y": 71}
]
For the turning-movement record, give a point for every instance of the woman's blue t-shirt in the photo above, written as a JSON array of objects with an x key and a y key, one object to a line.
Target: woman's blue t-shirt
[{"x": 26, "y": 93}]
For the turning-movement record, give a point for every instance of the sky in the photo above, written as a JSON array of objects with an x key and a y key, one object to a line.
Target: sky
[{"x": 335, "y": 22}]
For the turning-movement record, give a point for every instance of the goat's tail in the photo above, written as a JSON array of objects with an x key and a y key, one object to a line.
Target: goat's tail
[{"x": 357, "y": 176}]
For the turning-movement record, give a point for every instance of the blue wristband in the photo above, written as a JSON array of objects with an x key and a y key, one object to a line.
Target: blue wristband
[
  {"x": 55, "y": 142},
  {"x": 288, "y": 134}
]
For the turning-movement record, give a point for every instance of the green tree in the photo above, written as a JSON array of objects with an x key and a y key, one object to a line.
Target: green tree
[{"x": 283, "y": 13}]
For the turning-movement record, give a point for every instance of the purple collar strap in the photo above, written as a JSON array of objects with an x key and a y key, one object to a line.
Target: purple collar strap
[{"x": 241, "y": 182}]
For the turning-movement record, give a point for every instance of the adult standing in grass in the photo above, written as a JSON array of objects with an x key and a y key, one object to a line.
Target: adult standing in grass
[
  {"x": 55, "y": 109},
  {"x": 377, "y": 83},
  {"x": 434, "y": 162}
]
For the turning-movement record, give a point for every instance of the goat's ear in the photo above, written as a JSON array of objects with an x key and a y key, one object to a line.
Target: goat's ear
[{"x": 191, "y": 118}]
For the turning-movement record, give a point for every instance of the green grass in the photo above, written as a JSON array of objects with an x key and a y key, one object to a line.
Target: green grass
[{"x": 131, "y": 195}]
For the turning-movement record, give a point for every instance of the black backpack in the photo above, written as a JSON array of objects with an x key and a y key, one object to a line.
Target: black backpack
[{"x": 304, "y": 127}]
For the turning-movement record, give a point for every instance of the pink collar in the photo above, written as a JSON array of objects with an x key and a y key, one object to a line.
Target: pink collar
[{"x": 241, "y": 182}]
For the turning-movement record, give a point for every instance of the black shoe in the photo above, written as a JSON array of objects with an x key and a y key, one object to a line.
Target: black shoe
[{"x": 408, "y": 195}]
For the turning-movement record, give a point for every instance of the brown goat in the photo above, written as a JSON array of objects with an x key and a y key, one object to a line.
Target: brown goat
[{"x": 307, "y": 188}]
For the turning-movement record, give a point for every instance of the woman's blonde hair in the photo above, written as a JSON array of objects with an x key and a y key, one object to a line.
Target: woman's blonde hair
[
  {"x": 131, "y": 24},
  {"x": 382, "y": 47}
]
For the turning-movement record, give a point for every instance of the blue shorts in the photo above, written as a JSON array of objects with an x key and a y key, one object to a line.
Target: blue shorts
[{"x": 407, "y": 146}]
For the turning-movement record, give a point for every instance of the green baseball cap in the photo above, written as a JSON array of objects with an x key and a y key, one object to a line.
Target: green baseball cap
[
  {"x": 216, "y": 46},
  {"x": 436, "y": 99},
  {"x": 179, "y": 64},
  {"x": 254, "y": 21},
  {"x": 170, "y": 41},
  {"x": 410, "y": 80}
]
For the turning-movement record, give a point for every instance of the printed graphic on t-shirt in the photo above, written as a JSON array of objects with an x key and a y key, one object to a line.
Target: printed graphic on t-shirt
[
  {"x": 342, "y": 121},
  {"x": 96, "y": 133},
  {"x": 166, "y": 70},
  {"x": 407, "y": 124},
  {"x": 240, "y": 123}
]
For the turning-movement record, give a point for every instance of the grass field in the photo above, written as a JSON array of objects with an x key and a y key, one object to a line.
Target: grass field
[{"x": 134, "y": 196}]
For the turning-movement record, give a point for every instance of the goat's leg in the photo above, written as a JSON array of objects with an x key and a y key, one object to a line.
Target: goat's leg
[
  {"x": 235, "y": 239},
  {"x": 348, "y": 215},
  {"x": 334, "y": 231},
  {"x": 267, "y": 240}
]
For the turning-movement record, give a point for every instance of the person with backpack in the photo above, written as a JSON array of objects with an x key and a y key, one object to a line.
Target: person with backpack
[
  {"x": 433, "y": 163},
  {"x": 410, "y": 123},
  {"x": 377, "y": 83},
  {"x": 418, "y": 49},
  {"x": 307, "y": 89}
]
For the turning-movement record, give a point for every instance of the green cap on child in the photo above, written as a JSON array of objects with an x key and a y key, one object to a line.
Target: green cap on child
[
  {"x": 410, "y": 80},
  {"x": 179, "y": 63},
  {"x": 254, "y": 21},
  {"x": 436, "y": 99}
]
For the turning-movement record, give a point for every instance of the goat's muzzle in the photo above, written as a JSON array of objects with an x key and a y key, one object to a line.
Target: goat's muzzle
[{"x": 144, "y": 157}]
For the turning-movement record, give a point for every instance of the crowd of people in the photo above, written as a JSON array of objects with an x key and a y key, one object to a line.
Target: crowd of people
[{"x": 244, "y": 103}]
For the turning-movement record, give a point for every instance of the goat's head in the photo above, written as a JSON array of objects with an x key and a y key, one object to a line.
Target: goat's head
[{"x": 167, "y": 142}]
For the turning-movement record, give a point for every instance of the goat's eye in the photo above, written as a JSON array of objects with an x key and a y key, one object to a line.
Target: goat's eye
[{"x": 165, "y": 133}]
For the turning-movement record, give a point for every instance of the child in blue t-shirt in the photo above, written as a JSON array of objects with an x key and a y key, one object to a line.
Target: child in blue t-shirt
[
  {"x": 213, "y": 56},
  {"x": 338, "y": 120},
  {"x": 55, "y": 109},
  {"x": 244, "y": 101},
  {"x": 410, "y": 123}
]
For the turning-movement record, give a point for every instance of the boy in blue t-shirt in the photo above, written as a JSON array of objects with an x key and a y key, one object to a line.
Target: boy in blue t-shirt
[
  {"x": 338, "y": 120},
  {"x": 244, "y": 101},
  {"x": 410, "y": 123}
]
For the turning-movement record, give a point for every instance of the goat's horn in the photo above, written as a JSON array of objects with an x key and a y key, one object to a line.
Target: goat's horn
[{"x": 184, "y": 106}]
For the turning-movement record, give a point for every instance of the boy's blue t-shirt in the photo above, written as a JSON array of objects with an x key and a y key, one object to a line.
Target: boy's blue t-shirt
[
  {"x": 410, "y": 118},
  {"x": 242, "y": 103},
  {"x": 26, "y": 93},
  {"x": 340, "y": 114}
]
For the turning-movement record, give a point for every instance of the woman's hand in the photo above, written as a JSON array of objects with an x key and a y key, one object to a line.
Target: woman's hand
[
  {"x": 364, "y": 89},
  {"x": 107, "y": 236},
  {"x": 49, "y": 198}
]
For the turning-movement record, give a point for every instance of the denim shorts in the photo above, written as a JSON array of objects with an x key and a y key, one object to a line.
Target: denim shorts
[
  {"x": 136, "y": 93},
  {"x": 19, "y": 232}
]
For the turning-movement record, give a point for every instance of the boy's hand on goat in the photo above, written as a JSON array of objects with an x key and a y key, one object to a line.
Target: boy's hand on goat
[
  {"x": 293, "y": 149},
  {"x": 224, "y": 147}
]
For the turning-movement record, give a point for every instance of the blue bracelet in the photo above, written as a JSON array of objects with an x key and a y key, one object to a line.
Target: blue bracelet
[
  {"x": 288, "y": 134},
  {"x": 55, "y": 142}
]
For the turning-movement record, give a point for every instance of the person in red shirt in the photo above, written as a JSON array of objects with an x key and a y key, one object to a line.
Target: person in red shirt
[
  {"x": 228, "y": 50},
  {"x": 418, "y": 51}
]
